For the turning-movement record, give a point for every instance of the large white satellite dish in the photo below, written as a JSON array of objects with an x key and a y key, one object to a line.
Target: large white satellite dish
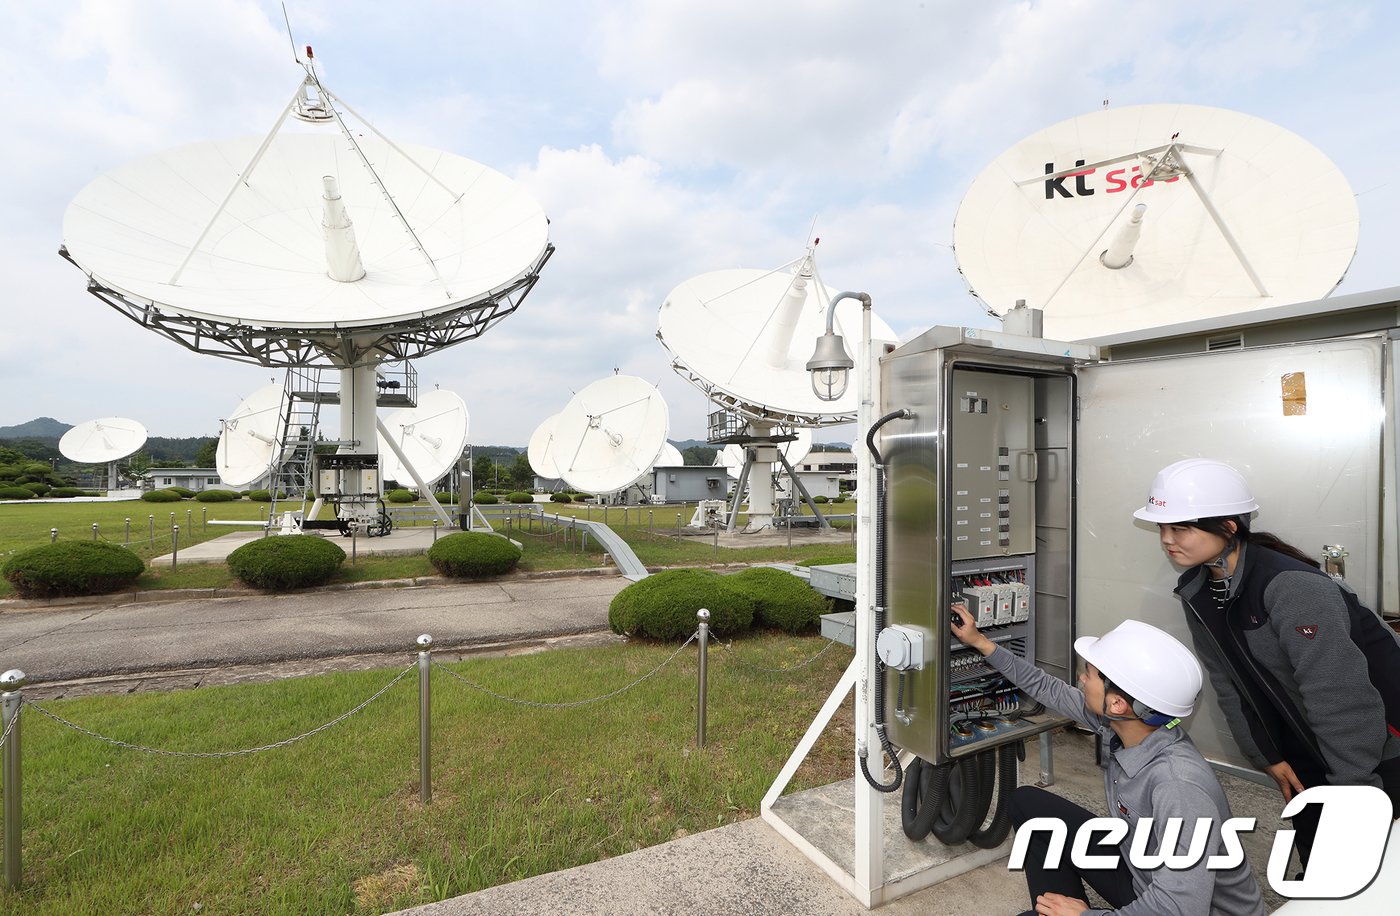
[
  {"x": 540, "y": 450},
  {"x": 250, "y": 443},
  {"x": 431, "y": 436},
  {"x": 1240, "y": 214},
  {"x": 102, "y": 440},
  {"x": 670, "y": 457},
  {"x": 263, "y": 262},
  {"x": 744, "y": 338},
  {"x": 609, "y": 435}
]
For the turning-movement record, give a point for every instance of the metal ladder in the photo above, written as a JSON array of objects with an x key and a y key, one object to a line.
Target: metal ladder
[{"x": 299, "y": 417}]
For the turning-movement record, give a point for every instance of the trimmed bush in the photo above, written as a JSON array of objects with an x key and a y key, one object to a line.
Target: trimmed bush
[
  {"x": 281, "y": 563},
  {"x": 473, "y": 555},
  {"x": 399, "y": 496},
  {"x": 820, "y": 499},
  {"x": 38, "y": 488},
  {"x": 663, "y": 605},
  {"x": 161, "y": 496},
  {"x": 66, "y": 492},
  {"x": 485, "y": 498},
  {"x": 561, "y": 498},
  {"x": 782, "y": 600},
  {"x": 519, "y": 497},
  {"x": 260, "y": 496},
  {"x": 839, "y": 499},
  {"x": 445, "y": 497},
  {"x": 217, "y": 496},
  {"x": 72, "y": 568},
  {"x": 15, "y": 493},
  {"x": 185, "y": 492}
]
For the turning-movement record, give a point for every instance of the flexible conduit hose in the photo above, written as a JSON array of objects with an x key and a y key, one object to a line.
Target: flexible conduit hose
[
  {"x": 965, "y": 804},
  {"x": 995, "y": 833},
  {"x": 880, "y": 611}
]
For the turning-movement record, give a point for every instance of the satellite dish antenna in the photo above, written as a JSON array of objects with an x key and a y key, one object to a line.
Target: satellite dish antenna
[
  {"x": 1131, "y": 218},
  {"x": 338, "y": 248},
  {"x": 609, "y": 435},
  {"x": 106, "y": 440},
  {"x": 540, "y": 451},
  {"x": 431, "y": 436},
  {"x": 250, "y": 443},
  {"x": 102, "y": 440},
  {"x": 743, "y": 337},
  {"x": 670, "y": 457}
]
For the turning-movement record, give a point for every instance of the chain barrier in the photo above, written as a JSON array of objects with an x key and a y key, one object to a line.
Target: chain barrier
[
  {"x": 538, "y": 705},
  {"x": 729, "y": 647},
  {"x": 5, "y": 736},
  {"x": 219, "y": 754}
]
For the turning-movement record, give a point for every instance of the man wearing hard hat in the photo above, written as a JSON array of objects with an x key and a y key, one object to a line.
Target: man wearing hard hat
[{"x": 1138, "y": 684}]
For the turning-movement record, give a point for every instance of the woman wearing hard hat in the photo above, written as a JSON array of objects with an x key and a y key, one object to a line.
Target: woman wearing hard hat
[
  {"x": 1308, "y": 678},
  {"x": 1138, "y": 684}
]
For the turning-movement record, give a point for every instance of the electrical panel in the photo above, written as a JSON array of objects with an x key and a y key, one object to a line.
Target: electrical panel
[{"x": 979, "y": 496}]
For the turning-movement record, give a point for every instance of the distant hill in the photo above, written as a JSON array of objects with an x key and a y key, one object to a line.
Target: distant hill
[{"x": 38, "y": 428}]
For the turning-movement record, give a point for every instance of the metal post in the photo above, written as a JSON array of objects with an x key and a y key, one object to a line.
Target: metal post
[
  {"x": 1047, "y": 761},
  {"x": 435, "y": 527},
  {"x": 11, "y": 703},
  {"x": 189, "y": 523},
  {"x": 678, "y": 521},
  {"x": 789, "y": 528},
  {"x": 94, "y": 531},
  {"x": 626, "y": 516},
  {"x": 152, "y": 531},
  {"x": 704, "y": 616},
  {"x": 53, "y": 535},
  {"x": 650, "y": 520},
  {"x": 128, "y": 531},
  {"x": 425, "y": 722},
  {"x": 204, "y": 516},
  {"x": 605, "y": 513},
  {"x": 716, "y": 540},
  {"x": 174, "y": 547},
  {"x": 354, "y": 541}
]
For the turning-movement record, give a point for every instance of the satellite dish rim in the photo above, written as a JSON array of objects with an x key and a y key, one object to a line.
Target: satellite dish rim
[
  {"x": 256, "y": 422},
  {"x": 613, "y": 429},
  {"x": 123, "y": 436},
  {"x": 439, "y": 414}
]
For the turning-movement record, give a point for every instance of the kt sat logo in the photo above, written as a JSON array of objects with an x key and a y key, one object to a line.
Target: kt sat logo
[{"x": 1089, "y": 182}]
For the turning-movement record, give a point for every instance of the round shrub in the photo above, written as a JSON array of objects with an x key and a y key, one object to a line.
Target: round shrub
[
  {"x": 399, "y": 496},
  {"x": 663, "y": 605},
  {"x": 782, "y": 600},
  {"x": 445, "y": 497},
  {"x": 280, "y": 563},
  {"x": 161, "y": 496},
  {"x": 820, "y": 499},
  {"x": 473, "y": 555},
  {"x": 519, "y": 497},
  {"x": 66, "y": 492},
  {"x": 185, "y": 492},
  {"x": 15, "y": 493},
  {"x": 260, "y": 496},
  {"x": 217, "y": 496},
  {"x": 72, "y": 568},
  {"x": 561, "y": 498},
  {"x": 839, "y": 499},
  {"x": 38, "y": 488},
  {"x": 484, "y": 497}
]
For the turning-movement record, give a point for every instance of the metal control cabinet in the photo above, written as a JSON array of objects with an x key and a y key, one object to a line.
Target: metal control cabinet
[{"x": 980, "y": 503}]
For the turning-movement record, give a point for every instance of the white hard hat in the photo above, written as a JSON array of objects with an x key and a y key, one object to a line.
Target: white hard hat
[
  {"x": 1196, "y": 488},
  {"x": 1148, "y": 664}
]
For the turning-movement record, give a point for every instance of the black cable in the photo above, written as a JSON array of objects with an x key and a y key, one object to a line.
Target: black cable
[
  {"x": 967, "y": 799},
  {"x": 995, "y": 832}
]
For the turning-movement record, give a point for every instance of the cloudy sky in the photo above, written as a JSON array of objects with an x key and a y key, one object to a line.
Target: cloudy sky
[{"x": 665, "y": 138}]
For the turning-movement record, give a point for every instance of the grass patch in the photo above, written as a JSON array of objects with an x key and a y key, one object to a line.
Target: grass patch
[{"x": 333, "y": 823}]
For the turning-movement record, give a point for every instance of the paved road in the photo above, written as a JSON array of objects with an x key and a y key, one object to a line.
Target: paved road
[{"x": 64, "y": 643}]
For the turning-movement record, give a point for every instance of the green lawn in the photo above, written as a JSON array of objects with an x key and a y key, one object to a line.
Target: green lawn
[
  {"x": 25, "y": 525},
  {"x": 333, "y": 824}
]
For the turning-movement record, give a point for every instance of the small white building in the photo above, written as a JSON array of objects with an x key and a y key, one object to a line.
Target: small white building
[{"x": 197, "y": 479}]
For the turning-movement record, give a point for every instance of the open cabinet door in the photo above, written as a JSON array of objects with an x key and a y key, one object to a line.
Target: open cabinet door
[{"x": 1303, "y": 422}]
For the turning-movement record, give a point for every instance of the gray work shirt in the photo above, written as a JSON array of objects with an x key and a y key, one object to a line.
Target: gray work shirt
[{"x": 1163, "y": 777}]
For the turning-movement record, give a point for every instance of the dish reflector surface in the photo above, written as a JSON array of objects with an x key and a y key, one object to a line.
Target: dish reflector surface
[
  {"x": 263, "y": 263},
  {"x": 102, "y": 440},
  {"x": 723, "y": 328},
  {"x": 540, "y": 451},
  {"x": 249, "y": 445},
  {"x": 432, "y": 436},
  {"x": 610, "y": 434},
  {"x": 670, "y": 457},
  {"x": 1021, "y": 235}
]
